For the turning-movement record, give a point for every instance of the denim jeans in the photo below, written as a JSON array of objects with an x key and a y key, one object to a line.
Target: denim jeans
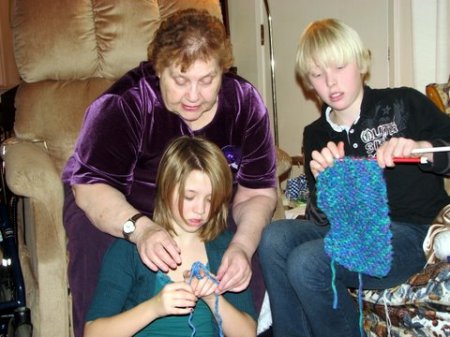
[{"x": 298, "y": 276}]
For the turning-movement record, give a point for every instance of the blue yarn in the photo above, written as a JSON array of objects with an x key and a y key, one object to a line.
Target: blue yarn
[
  {"x": 196, "y": 271},
  {"x": 353, "y": 195},
  {"x": 360, "y": 297},
  {"x": 360, "y": 305},
  {"x": 333, "y": 285}
]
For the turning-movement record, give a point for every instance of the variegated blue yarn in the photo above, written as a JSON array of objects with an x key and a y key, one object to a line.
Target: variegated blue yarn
[
  {"x": 352, "y": 194},
  {"x": 199, "y": 271}
]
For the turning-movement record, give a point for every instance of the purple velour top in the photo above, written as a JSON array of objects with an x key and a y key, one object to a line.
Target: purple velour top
[{"x": 126, "y": 130}]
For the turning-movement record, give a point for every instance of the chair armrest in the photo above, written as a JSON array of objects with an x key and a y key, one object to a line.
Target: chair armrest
[{"x": 31, "y": 173}]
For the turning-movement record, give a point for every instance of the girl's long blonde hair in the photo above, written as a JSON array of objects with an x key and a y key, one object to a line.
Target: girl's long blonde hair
[{"x": 184, "y": 155}]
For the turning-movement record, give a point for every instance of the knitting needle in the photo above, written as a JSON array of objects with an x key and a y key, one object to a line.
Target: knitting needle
[
  {"x": 431, "y": 149},
  {"x": 408, "y": 160},
  {"x": 420, "y": 160},
  {"x": 411, "y": 160}
]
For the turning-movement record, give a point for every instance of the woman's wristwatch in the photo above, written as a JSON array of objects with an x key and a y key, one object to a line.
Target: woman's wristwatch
[{"x": 130, "y": 225}]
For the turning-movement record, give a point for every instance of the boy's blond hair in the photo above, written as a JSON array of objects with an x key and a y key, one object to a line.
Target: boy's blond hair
[{"x": 330, "y": 42}]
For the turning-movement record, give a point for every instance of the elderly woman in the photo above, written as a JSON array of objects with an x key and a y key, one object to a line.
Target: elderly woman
[{"x": 184, "y": 89}]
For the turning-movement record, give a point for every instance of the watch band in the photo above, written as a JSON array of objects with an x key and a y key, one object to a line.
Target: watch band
[{"x": 136, "y": 217}]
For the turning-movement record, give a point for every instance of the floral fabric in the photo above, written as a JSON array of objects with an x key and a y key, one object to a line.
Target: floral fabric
[{"x": 419, "y": 307}]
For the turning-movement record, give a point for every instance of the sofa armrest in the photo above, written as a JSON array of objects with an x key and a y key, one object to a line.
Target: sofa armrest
[{"x": 31, "y": 173}]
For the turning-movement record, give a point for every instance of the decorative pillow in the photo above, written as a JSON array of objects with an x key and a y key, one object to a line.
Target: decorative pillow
[
  {"x": 436, "y": 245},
  {"x": 439, "y": 94}
]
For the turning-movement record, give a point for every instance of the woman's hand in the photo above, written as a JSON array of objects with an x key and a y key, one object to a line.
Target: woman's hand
[
  {"x": 400, "y": 147},
  {"x": 252, "y": 211},
  {"x": 326, "y": 157},
  {"x": 235, "y": 271},
  {"x": 158, "y": 250}
]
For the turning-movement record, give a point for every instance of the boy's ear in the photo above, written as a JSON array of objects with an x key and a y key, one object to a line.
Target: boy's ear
[{"x": 365, "y": 77}]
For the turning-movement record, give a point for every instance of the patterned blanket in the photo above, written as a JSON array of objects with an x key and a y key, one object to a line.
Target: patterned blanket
[{"x": 419, "y": 307}]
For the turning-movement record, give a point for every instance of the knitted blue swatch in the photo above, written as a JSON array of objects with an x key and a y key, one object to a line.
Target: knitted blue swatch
[
  {"x": 352, "y": 194},
  {"x": 199, "y": 270}
]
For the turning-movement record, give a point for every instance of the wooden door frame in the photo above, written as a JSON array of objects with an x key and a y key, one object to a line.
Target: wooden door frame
[{"x": 226, "y": 21}]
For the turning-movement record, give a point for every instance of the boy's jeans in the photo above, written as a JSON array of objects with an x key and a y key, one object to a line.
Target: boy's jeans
[{"x": 298, "y": 277}]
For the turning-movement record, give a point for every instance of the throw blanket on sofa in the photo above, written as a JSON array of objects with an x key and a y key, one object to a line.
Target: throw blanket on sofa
[{"x": 419, "y": 307}]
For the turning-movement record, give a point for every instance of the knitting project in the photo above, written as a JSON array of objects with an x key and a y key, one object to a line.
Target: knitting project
[
  {"x": 352, "y": 194},
  {"x": 199, "y": 271}
]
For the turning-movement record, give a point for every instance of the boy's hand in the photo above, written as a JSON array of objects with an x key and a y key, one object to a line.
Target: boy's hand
[
  {"x": 326, "y": 157},
  {"x": 399, "y": 147}
]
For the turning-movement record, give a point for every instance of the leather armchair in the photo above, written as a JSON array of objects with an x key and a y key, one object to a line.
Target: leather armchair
[{"x": 67, "y": 53}]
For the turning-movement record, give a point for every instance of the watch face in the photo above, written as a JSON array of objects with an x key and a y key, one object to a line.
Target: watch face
[{"x": 129, "y": 227}]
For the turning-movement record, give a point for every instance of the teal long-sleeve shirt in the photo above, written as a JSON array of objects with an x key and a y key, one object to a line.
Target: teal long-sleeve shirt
[{"x": 125, "y": 282}]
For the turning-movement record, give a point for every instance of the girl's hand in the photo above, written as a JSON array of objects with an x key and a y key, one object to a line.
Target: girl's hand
[
  {"x": 399, "y": 147},
  {"x": 205, "y": 287},
  {"x": 175, "y": 299},
  {"x": 326, "y": 157}
]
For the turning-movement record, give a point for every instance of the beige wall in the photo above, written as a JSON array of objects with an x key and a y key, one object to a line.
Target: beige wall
[{"x": 289, "y": 18}]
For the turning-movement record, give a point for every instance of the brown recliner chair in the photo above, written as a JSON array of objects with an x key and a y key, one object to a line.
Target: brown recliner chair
[{"x": 67, "y": 53}]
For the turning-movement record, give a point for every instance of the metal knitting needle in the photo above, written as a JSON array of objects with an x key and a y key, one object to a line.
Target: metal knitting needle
[
  {"x": 431, "y": 149},
  {"x": 408, "y": 160},
  {"x": 420, "y": 160}
]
